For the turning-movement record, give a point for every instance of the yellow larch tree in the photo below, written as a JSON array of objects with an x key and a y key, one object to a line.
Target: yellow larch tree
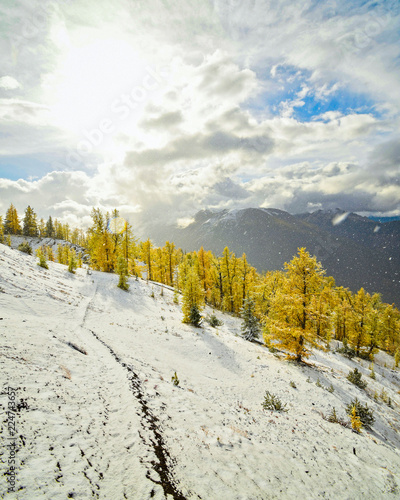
[
  {"x": 341, "y": 313},
  {"x": 289, "y": 322},
  {"x": 171, "y": 260},
  {"x": 390, "y": 328},
  {"x": 217, "y": 291},
  {"x": 147, "y": 258},
  {"x": 12, "y": 224},
  {"x": 228, "y": 272},
  {"x": 205, "y": 272},
  {"x": 100, "y": 244},
  {"x": 361, "y": 311},
  {"x": 265, "y": 290},
  {"x": 159, "y": 265},
  {"x": 244, "y": 283}
]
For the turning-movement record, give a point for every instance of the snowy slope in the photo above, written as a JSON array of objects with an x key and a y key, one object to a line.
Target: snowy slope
[{"x": 98, "y": 416}]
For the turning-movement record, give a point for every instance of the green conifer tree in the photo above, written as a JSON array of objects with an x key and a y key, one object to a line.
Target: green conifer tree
[
  {"x": 49, "y": 228},
  {"x": 30, "y": 226},
  {"x": 195, "y": 318},
  {"x": 250, "y": 325}
]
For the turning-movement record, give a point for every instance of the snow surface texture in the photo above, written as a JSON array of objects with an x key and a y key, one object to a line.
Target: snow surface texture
[{"x": 98, "y": 416}]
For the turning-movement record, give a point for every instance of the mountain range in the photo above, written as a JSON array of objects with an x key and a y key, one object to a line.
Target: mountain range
[{"x": 355, "y": 250}]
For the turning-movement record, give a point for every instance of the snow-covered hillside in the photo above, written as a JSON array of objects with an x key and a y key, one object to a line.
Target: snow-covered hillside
[{"x": 97, "y": 415}]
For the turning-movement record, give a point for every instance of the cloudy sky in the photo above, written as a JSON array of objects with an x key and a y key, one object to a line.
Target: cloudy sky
[{"x": 164, "y": 107}]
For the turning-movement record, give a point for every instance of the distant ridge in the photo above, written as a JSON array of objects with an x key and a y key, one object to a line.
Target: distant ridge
[{"x": 384, "y": 219}]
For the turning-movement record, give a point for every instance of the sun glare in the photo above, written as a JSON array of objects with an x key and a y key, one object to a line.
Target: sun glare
[{"x": 90, "y": 78}]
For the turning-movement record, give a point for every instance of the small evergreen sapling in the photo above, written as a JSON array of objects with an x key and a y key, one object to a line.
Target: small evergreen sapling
[
  {"x": 385, "y": 398},
  {"x": 355, "y": 378},
  {"x": 335, "y": 419},
  {"x": 250, "y": 325},
  {"x": 372, "y": 374},
  {"x": 346, "y": 350},
  {"x": 195, "y": 318},
  {"x": 25, "y": 247},
  {"x": 213, "y": 321},
  {"x": 272, "y": 402},
  {"x": 332, "y": 417},
  {"x": 175, "y": 379},
  {"x": 366, "y": 414}
]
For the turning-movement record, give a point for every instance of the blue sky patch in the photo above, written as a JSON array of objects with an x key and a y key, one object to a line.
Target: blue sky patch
[
  {"x": 285, "y": 84},
  {"x": 344, "y": 102},
  {"x": 23, "y": 167}
]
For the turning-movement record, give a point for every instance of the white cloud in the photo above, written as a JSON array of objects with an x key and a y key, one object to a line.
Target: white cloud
[
  {"x": 17, "y": 110},
  {"x": 184, "y": 221},
  {"x": 68, "y": 195},
  {"x": 9, "y": 83}
]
